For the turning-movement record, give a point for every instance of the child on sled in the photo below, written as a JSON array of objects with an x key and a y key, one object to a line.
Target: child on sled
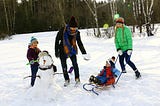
[{"x": 107, "y": 75}]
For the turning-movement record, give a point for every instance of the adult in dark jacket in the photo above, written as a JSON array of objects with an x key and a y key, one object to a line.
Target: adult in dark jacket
[
  {"x": 32, "y": 56},
  {"x": 66, "y": 47}
]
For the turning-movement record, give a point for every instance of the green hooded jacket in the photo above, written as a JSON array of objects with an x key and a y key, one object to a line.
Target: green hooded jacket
[{"x": 123, "y": 38}]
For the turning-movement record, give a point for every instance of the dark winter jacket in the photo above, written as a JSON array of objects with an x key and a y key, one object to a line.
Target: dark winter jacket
[
  {"x": 63, "y": 36},
  {"x": 32, "y": 54}
]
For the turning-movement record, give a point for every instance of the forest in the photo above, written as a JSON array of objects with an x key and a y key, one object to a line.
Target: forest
[{"x": 28, "y": 16}]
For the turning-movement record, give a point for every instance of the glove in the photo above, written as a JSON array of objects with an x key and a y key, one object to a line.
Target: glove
[
  {"x": 129, "y": 52},
  {"x": 86, "y": 56},
  {"x": 120, "y": 52}
]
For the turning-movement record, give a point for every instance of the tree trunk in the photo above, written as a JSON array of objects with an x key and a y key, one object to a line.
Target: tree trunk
[
  {"x": 6, "y": 17},
  {"x": 14, "y": 16},
  {"x": 61, "y": 14},
  {"x": 94, "y": 13},
  {"x": 96, "y": 20}
]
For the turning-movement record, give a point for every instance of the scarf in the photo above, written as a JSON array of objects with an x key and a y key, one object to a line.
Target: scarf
[{"x": 69, "y": 42}]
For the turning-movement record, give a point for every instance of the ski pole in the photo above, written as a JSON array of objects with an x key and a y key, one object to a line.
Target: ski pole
[
  {"x": 119, "y": 75},
  {"x": 116, "y": 60},
  {"x": 118, "y": 78}
]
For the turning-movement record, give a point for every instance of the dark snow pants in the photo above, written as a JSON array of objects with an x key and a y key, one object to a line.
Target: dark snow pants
[
  {"x": 64, "y": 66},
  {"x": 128, "y": 61},
  {"x": 34, "y": 70}
]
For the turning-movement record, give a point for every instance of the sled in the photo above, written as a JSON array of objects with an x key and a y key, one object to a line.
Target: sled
[{"x": 93, "y": 87}]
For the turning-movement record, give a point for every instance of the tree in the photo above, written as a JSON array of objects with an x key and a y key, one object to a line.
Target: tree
[
  {"x": 93, "y": 10},
  {"x": 148, "y": 11},
  {"x": 6, "y": 16},
  {"x": 44, "y": 15}
]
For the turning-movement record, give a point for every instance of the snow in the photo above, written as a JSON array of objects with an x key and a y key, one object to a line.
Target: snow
[{"x": 14, "y": 89}]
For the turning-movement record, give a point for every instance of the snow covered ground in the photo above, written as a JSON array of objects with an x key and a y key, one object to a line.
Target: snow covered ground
[{"x": 128, "y": 91}]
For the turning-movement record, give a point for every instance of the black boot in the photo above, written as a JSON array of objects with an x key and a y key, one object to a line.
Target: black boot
[
  {"x": 138, "y": 75},
  {"x": 91, "y": 79},
  {"x": 97, "y": 81}
]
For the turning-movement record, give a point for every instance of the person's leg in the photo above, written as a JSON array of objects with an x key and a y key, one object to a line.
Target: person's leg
[
  {"x": 100, "y": 80},
  {"x": 34, "y": 70},
  {"x": 121, "y": 61},
  {"x": 129, "y": 62},
  {"x": 75, "y": 66},
  {"x": 132, "y": 65},
  {"x": 64, "y": 67}
]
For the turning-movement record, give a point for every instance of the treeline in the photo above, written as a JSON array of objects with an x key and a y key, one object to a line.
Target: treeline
[{"x": 28, "y": 16}]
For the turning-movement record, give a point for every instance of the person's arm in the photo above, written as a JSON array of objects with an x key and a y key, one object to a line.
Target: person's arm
[
  {"x": 57, "y": 42},
  {"x": 117, "y": 42},
  {"x": 101, "y": 72},
  {"x": 129, "y": 38},
  {"x": 80, "y": 44}
]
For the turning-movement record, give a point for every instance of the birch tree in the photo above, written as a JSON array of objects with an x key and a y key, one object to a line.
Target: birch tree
[
  {"x": 138, "y": 13},
  {"x": 93, "y": 10},
  {"x": 148, "y": 11},
  {"x": 147, "y": 6},
  {"x": 113, "y": 8}
]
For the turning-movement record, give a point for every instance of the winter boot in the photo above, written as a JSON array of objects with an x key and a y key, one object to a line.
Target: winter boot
[
  {"x": 96, "y": 81},
  {"x": 77, "y": 80},
  {"x": 66, "y": 83},
  {"x": 91, "y": 78},
  {"x": 137, "y": 73}
]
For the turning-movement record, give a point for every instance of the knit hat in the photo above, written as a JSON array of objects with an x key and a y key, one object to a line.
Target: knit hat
[
  {"x": 33, "y": 39},
  {"x": 120, "y": 20},
  {"x": 73, "y": 22}
]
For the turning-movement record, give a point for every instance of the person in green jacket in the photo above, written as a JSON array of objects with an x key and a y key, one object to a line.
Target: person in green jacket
[{"x": 123, "y": 43}]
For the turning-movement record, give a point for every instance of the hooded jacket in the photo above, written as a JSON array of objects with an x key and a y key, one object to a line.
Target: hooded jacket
[{"x": 123, "y": 38}]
